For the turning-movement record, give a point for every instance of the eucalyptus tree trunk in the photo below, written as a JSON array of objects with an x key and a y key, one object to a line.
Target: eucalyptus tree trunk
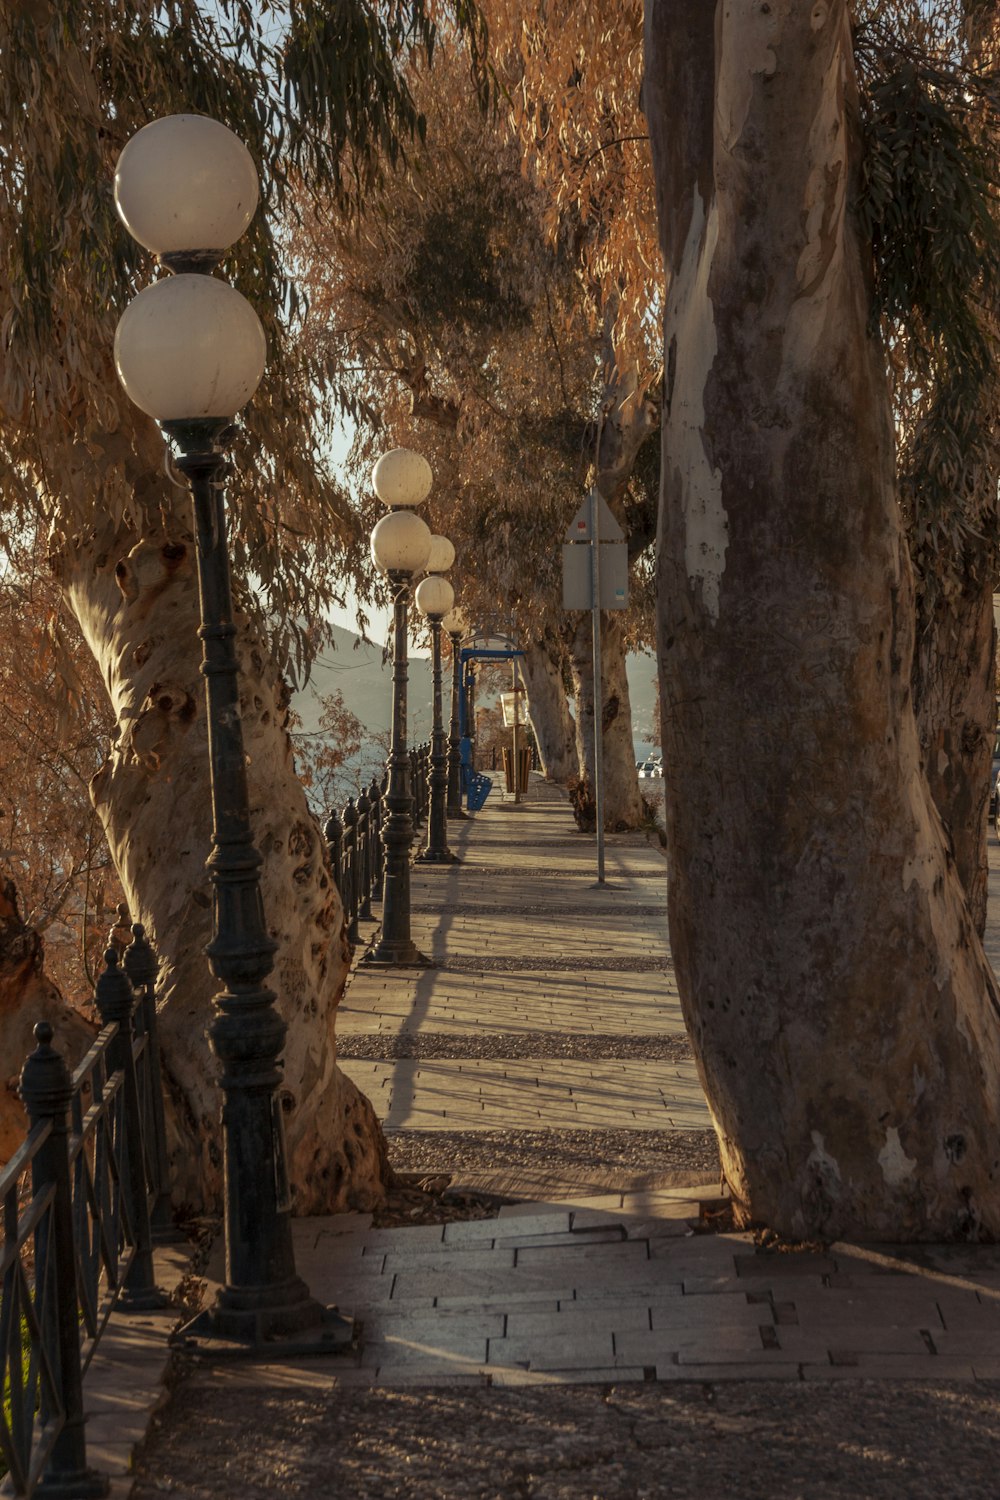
[
  {"x": 622, "y": 802},
  {"x": 136, "y": 600},
  {"x": 27, "y": 995},
  {"x": 842, "y": 1013},
  {"x": 627, "y": 421},
  {"x": 955, "y": 697},
  {"x": 548, "y": 709}
]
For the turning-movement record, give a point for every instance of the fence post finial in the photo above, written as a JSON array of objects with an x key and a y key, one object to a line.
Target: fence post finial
[
  {"x": 142, "y": 967},
  {"x": 46, "y": 1090},
  {"x": 115, "y": 1002}
]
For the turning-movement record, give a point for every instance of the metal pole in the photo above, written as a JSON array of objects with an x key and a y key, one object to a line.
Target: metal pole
[
  {"x": 454, "y": 737},
  {"x": 513, "y": 683},
  {"x": 115, "y": 1000},
  {"x": 595, "y": 581},
  {"x": 395, "y": 945},
  {"x": 46, "y": 1090},
  {"x": 363, "y": 857},
  {"x": 141, "y": 966},
  {"x": 437, "y": 851},
  {"x": 263, "y": 1297}
]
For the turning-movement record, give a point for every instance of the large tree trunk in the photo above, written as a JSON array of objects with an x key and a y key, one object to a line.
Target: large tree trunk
[
  {"x": 27, "y": 996},
  {"x": 843, "y": 1016},
  {"x": 622, "y": 802},
  {"x": 137, "y": 604},
  {"x": 627, "y": 421},
  {"x": 541, "y": 672},
  {"x": 955, "y": 698}
]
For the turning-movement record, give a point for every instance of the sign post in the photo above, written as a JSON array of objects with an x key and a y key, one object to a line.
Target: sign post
[{"x": 596, "y": 579}]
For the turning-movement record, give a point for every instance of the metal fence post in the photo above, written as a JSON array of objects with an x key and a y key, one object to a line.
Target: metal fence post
[
  {"x": 375, "y": 798},
  {"x": 115, "y": 1002},
  {"x": 46, "y": 1089},
  {"x": 414, "y": 789},
  {"x": 422, "y": 769},
  {"x": 351, "y": 869},
  {"x": 141, "y": 966},
  {"x": 364, "y": 856},
  {"x": 334, "y": 834}
]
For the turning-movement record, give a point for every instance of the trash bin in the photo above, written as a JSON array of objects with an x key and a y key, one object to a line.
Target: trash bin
[{"x": 523, "y": 767}]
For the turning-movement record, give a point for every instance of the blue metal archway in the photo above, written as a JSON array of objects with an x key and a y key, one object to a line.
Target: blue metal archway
[{"x": 475, "y": 785}]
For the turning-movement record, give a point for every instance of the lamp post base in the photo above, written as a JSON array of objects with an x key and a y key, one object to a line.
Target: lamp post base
[
  {"x": 305, "y": 1328},
  {"x": 398, "y": 953},
  {"x": 456, "y": 812},
  {"x": 85, "y": 1484},
  {"x": 436, "y": 857}
]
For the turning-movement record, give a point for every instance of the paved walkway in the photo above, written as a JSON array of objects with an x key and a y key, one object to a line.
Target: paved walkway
[
  {"x": 552, "y": 1015},
  {"x": 551, "y": 1007},
  {"x": 544, "y": 1057}
]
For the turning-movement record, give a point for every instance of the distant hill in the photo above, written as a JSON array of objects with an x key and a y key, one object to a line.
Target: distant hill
[{"x": 357, "y": 669}]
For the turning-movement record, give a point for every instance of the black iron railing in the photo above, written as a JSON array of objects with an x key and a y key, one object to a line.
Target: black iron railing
[
  {"x": 420, "y": 772},
  {"x": 77, "y": 1201},
  {"x": 354, "y": 836}
]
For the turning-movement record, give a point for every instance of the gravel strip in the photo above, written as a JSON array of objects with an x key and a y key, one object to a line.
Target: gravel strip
[
  {"x": 561, "y": 1152},
  {"x": 692, "y": 1441},
  {"x": 552, "y": 843},
  {"x": 486, "y": 965},
  {"x": 579, "y": 1046},
  {"x": 563, "y": 873},
  {"x": 486, "y": 908}
]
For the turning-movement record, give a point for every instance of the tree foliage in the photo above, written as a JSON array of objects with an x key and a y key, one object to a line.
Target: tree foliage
[
  {"x": 326, "y": 758},
  {"x": 573, "y": 75},
  {"x": 77, "y": 82},
  {"x": 51, "y": 742},
  {"x": 928, "y": 200},
  {"x": 469, "y": 332}
]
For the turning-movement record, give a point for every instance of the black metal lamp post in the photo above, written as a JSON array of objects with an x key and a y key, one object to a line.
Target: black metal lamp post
[
  {"x": 454, "y": 624},
  {"x": 401, "y": 544},
  {"x": 435, "y": 597},
  {"x": 190, "y": 353},
  {"x": 470, "y": 712}
]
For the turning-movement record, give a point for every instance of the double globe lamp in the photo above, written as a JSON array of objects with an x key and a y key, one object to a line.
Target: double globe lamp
[
  {"x": 190, "y": 353},
  {"x": 400, "y": 548},
  {"x": 456, "y": 626},
  {"x": 435, "y": 597}
]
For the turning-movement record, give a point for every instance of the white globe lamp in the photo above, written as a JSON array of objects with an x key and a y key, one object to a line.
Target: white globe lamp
[
  {"x": 186, "y": 184},
  {"x": 402, "y": 478},
  {"x": 400, "y": 543},
  {"x": 435, "y": 597},
  {"x": 189, "y": 347},
  {"x": 442, "y": 555}
]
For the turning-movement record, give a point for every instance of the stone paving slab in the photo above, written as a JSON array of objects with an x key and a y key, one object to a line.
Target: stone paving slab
[
  {"x": 125, "y": 1382},
  {"x": 542, "y": 1001},
  {"x": 481, "y": 1094},
  {"x": 563, "y": 1306},
  {"x": 538, "y": 936}
]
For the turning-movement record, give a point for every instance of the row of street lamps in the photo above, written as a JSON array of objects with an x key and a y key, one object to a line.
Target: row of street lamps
[
  {"x": 403, "y": 546},
  {"x": 190, "y": 352}
]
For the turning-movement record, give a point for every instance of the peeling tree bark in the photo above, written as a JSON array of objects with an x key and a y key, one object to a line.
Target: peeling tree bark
[
  {"x": 136, "y": 600},
  {"x": 541, "y": 672},
  {"x": 628, "y": 420},
  {"x": 955, "y": 697},
  {"x": 842, "y": 1013},
  {"x": 622, "y": 802}
]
